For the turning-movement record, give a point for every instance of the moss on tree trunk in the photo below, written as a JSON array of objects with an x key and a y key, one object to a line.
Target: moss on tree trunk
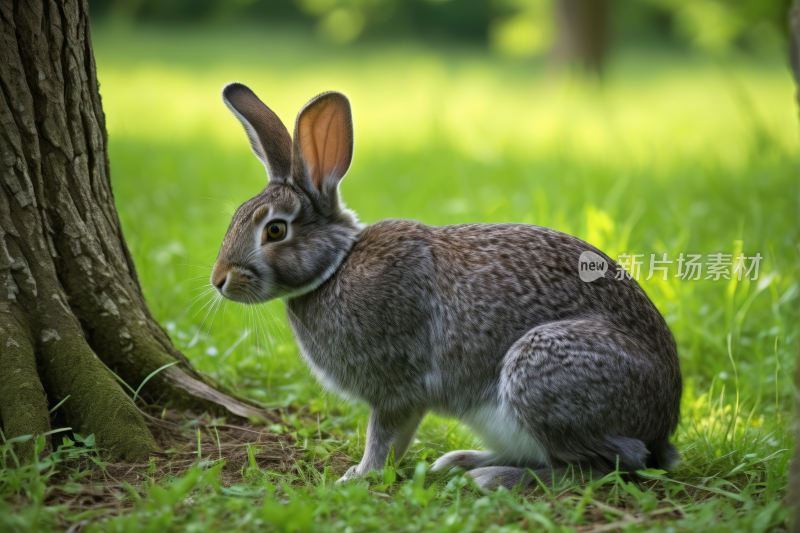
[{"x": 70, "y": 300}]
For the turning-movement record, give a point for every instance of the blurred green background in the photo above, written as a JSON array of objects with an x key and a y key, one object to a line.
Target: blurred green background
[
  {"x": 646, "y": 126},
  {"x": 512, "y": 27}
]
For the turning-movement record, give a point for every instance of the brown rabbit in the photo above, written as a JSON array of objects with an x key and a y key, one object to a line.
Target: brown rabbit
[{"x": 488, "y": 323}]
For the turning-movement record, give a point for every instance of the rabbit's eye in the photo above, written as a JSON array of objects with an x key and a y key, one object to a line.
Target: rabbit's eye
[{"x": 274, "y": 231}]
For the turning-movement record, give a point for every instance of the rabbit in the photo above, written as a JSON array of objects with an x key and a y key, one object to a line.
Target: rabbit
[{"x": 487, "y": 323}]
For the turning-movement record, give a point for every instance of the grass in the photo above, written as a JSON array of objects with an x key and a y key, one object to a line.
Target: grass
[{"x": 672, "y": 154}]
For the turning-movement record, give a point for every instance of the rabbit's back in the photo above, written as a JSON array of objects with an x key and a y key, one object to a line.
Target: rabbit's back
[{"x": 418, "y": 313}]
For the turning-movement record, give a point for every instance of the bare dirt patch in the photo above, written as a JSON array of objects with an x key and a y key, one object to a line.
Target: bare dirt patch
[{"x": 186, "y": 440}]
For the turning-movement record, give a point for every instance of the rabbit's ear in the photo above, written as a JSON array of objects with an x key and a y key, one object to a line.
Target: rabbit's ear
[
  {"x": 323, "y": 140},
  {"x": 268, "y": 136}
]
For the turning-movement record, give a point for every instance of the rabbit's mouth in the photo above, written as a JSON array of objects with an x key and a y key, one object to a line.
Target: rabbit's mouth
[{"x": 239, "y": 285}]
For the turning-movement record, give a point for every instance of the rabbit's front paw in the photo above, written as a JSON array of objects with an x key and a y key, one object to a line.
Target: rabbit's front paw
[{"x": 350, "y": 475}]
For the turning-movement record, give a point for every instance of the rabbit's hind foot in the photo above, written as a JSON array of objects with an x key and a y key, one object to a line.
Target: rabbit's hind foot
[
  {"x": 491, "y": 477},
  {"x": 463, "y": 459}
]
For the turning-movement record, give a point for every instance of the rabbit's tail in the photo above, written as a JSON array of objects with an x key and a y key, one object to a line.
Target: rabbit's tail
[
  {"x": 663, "y": 455},
  {"x": 629, "y": 455},
  {"x": 632, "y": 454},
  {"x": 624, "y": 453}
]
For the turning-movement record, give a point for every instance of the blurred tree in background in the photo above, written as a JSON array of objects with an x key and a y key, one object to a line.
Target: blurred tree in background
[
  {"x": 518, "y": 27},
  {"x": 582, "y": 33},
  {"x": 572, "y": 31}
]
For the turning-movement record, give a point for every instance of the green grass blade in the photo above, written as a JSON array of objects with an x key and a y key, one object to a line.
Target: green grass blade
[
  {"x": 59, "y": 403},
  {"x": 153, "y": 373}
]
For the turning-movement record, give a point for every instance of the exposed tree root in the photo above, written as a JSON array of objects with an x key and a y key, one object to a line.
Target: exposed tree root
[
  {"x": 203, "y": 394},
  {"x": 133, "y": 345},
  {"x": 97, "y": 404},
  {"x": 23, "y": 403}
]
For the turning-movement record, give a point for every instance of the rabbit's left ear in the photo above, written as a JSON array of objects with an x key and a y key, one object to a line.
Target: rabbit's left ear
[
  {"x": 323, "y": 141},
  {"x": 269, "y": 138}
]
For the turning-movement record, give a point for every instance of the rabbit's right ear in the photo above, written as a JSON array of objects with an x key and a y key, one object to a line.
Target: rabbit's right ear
[
  {"x": 323, "y": 137},
  {"x": 269, "y": 138}
]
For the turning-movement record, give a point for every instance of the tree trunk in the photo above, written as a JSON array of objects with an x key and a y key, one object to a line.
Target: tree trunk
[
  {"x": 70, "y": 300},
  {"x": 794, "y": 470},
  {"x": 582, "y": 33}
]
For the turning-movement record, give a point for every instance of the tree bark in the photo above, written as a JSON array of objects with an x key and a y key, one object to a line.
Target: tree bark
[
  {"x": 582, "y": 33},
  {"x": 70, "y": 300}
]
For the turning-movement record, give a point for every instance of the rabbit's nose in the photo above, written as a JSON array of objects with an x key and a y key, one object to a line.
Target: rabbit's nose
[{"x": 220, "y": 281}]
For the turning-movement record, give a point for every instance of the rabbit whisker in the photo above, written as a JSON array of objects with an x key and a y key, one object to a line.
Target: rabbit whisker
[
  {"x": 209, "y": 302},
  {"x": 281, "y": 323},
  {"x": 218, "y": 200},
  {"x": 229, "y": 194},
  {"x": 219, "y": 302},
  {"x": 193, "y": 279},
  {"x": 251, "y": 318},
  {"x": 258, "y": 320},
  {"x": 195, "y": 299},
  {"x": 194, "y": 260},
  {"x": 201, "y": 287},
  {"x": 216, "y": 300}
]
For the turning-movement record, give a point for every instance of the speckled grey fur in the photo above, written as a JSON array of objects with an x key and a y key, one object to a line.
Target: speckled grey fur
[{"x": 488, "y": 323}]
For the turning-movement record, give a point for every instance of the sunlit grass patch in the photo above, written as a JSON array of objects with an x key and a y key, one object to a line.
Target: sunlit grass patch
[
  {"x": 671, "y": 154},
  {"x": 652, "y": 108}
]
